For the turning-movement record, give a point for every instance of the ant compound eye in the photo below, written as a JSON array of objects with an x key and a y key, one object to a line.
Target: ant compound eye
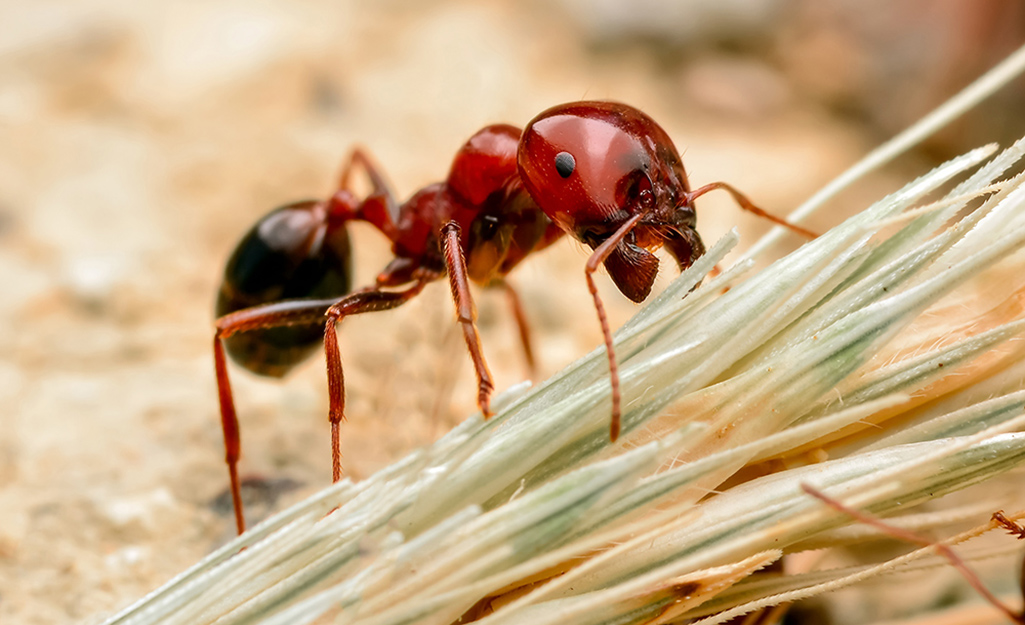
[{"x": 565, "y": 164}]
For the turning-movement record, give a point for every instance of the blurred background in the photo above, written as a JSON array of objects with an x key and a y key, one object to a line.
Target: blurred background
[{"x": 139, "y": 141}]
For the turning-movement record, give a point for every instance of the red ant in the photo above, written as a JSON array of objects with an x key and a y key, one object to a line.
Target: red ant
[
  {"x": 603, "y": 172},
  {"x": 998, "y": 519}
]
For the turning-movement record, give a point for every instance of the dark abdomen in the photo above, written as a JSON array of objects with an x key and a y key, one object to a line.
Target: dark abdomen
[{"x": 290, "y": 253}]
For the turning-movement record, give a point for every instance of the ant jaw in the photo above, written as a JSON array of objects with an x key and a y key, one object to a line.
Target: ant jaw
[
  {"x": 633, "y": 270},
  {"x": 684, "y": 245}
]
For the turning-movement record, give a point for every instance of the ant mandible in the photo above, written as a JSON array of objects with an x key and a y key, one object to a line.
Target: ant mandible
[{"x": 604, "y": 172}]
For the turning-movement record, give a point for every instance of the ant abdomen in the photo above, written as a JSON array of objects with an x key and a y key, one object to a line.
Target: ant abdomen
[{"x": 290, "y": 253}]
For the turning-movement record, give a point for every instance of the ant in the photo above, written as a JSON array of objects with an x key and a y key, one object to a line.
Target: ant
[
  {"x": 603, "y": 172},
  {"x": 998, "y": 520}
]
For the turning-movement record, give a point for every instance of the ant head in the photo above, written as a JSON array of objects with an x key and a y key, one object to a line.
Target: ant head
[{"x": 591, "y": 166}]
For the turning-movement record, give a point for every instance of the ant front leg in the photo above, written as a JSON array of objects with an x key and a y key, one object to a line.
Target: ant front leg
[
  {"x": 597, "y": 258},
  {"x": 467, "y": 313},
  {"x": 370, "y": 300}
]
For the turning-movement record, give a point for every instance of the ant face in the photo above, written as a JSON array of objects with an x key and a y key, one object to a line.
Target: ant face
[{"x": 591, "y": 166}]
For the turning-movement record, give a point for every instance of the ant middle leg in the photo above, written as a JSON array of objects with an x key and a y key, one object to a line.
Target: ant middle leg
[
  {"x": 521, "y": 324},
  {"x": 369, "y": 300},
  {"x": 466, "y": 313}
]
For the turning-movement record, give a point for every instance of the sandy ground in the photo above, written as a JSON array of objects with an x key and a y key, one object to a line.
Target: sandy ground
[{"x": 137, "y": 143}]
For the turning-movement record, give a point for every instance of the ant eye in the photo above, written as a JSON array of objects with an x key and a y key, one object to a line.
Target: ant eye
[{"x": 565, "y": 164}]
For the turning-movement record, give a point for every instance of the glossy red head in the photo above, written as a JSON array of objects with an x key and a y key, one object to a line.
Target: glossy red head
[{"x": 591, "y": 166}]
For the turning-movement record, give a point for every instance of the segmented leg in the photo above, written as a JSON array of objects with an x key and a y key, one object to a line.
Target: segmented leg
[
  {"x": 294, "y": 312},
  {"x": 597, "y": 258},
  {"x": 229, "y": 424},
  {"x": 353, "y": 304},
  {"x": 299, "y": 312},
  {"x": 522, "y": 326},
  {"x": 378, "y": 207},
  {"x": 466, "y": 312}
]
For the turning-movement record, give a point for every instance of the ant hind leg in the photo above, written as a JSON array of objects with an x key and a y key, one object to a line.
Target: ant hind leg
[{"x": 259, "y": 317}]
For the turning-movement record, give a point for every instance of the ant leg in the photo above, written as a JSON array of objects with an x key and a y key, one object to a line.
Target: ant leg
[
  {"x": 523, "y": 326},
  {"x": 267, "y": 316},
  {"x": 293, "y": 312},
  {"x": 1015, "y": 529},
  {"x": 371, "y": 300},
  {"x": 941, "y": 548},
  {"x": 749, "y": 206},
  {"x": 466, "y": 313},
  {"x": 229, "y": 424},
  {"x": 359, "y": 156},
  {"x": 1012, "y": 528},
  {"x": 597, "y": 258},
  {"x": 378, "y": 207}
]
